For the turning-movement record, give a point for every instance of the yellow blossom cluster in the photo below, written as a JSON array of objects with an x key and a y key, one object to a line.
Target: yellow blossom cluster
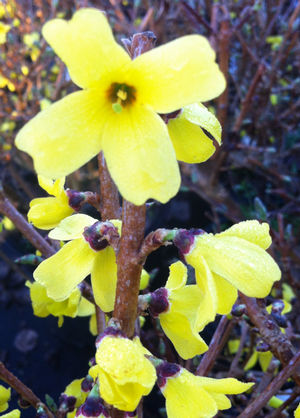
[{"x": 144, "y": 114}]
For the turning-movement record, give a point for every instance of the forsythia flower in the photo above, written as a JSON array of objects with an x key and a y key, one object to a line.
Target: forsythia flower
[
  {"x": 4, "y": 398},
  {"x": 5, "y": 82},
  {"x": 190, "y": 142},
  {"x": 47, "y": 212},
  {"x": 125, "y": 374},
  {"x": 297, "y": 412},
  {"x": 234, "y": 259},
  {"x": 15, "y": 413},
  {"x": 189, "y": 396},
  {"x": 117, "y": 110},
  {"x": 3, "y": 31},
  {"x": 177, "y": 307},
  {"x": 86, "y": 253},
  {"x": 73, "y": 306}
]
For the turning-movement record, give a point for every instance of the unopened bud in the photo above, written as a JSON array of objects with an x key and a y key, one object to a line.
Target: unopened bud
[
  {"x": 262, "y": 346},
  {"x": 238, "y": 309},
  {"x": 159, "y": 302}
]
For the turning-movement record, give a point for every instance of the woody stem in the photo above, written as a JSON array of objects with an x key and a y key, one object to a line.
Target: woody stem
[{"x": 129, "y": 266}]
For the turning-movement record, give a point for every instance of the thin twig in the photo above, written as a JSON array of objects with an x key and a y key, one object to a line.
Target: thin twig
[
  {"x": 22, "y": 389},
  {"x": 270, "y": 332},
  {"x": 258, "y": 403},
  {"x": 7, "y": 209},
  {"x": 215, "y": 347}
]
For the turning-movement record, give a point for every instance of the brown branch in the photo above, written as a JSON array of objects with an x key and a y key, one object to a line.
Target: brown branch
[
  {"x": 270, "y": 332},
  {"x": 153, "y": 241},
  {"x": 258, "y": 403},
  {"x": 216, "y": 345},
  {"x": 277, "y": 412},
  {"x": 247, "y": 100},
  {"x": 7, "y": 209},
  {"x": 129, "y": 266},
  {"x": 109, "y": 196},
  {"x": 22, "y": 389}
]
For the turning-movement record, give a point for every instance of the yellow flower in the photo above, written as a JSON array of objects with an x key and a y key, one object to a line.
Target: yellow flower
[
  {"x": 86, "y": 253},
  {"x": 125, "y": 374},
  {"x": 15, "y": 413},
  {"x": 189, "y": 396},
  {"x": 177, "y": 307},
  {"x": 232, "y": 260},
  {"x": 74, "y": 389},
  {"x": 117, "y": 110},
  {"x": 47, "y": 212},
  {"x": 4, "y": 398},
  {"x": 297, "y": 412},
  {"x": 262, "y": 357},
  {"x": 190, "y": 142},
  {"x": 3, "y": 31},
  {"x": 5, "y": 82},
  {"x": 43, "y": 305}
]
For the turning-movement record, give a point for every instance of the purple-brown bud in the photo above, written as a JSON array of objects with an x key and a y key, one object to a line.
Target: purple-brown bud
[
  {"x": 159, "y": 302},
  {"x": 87, "y": 384},
  {"x": 184, "y": 239},
  {"x": 262, "y": 346},
  {"x": 76, "y": 199},
  {"x": 93, "y": 236},
  {"x": 165, "y": 370}
]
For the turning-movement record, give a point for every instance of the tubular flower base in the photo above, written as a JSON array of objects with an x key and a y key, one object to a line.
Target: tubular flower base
[
  {"x": 190, "y": 142},
  {"x": 177, "y": 307},
  {"x": 117, "y": 110},
  {"x": 232, "y": 260},
  {"x": 47, "y": 212},
  {"x": 188, "y": 395},
  {"x": 124, "y": 373},
  {"x": 86, "y": 253}
]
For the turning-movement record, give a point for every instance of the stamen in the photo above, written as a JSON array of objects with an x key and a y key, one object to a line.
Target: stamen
[{"x": 122, "y": 94}]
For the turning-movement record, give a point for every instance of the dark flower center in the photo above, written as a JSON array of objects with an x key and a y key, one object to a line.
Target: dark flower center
[{"x": 121, "y": 95}]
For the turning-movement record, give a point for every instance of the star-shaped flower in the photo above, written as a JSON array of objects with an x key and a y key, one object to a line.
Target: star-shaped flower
[{"x": 117, "y": 110}]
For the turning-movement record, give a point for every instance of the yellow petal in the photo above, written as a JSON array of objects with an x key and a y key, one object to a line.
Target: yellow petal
[
  {"x": 221, "y": 400},
  {"x": 62, "y": 272},
  {"x": 52, "y": 187},
  {"x": 65, "y": 135},
  {"x": 72, "y": 227},
  {"x": 144, "y": 282},
  {"x": 209, "y": 303},
  {"x": 177, "y": 277},
  {"x": 252, "y": 361},
  {"x": 140, "y": 156},
  {"x": 85, "y": 308},
  {"x": 4, "y": 398},
  {"x": 252, "y": 231},
  {"x": 185, "y": 398},
  {"x": 186, "y": 340},
  {"x": 124, "y": 372},
  {"x": 264, "y": 359},
  {"x": 47, "y": 212},
  {"x": 12, "y": 414},
  {"x": 245, "y": 265},
  {"x": 226, "y": 294},
  {"x": 228, "y": 385},
  {"x": 74, "y": 389},
  {"x": 179, "y": 73},
  {"x": 198, "y": 114},
  {"x": 86, "y": 45},
  {"x": 104, "y": 279},
  {"x": 190, "y": 142},
  {"x": 297, "y": 412}
]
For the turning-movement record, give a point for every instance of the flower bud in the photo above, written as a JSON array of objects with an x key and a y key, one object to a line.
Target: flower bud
[{"x": 159, "y": 302}]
